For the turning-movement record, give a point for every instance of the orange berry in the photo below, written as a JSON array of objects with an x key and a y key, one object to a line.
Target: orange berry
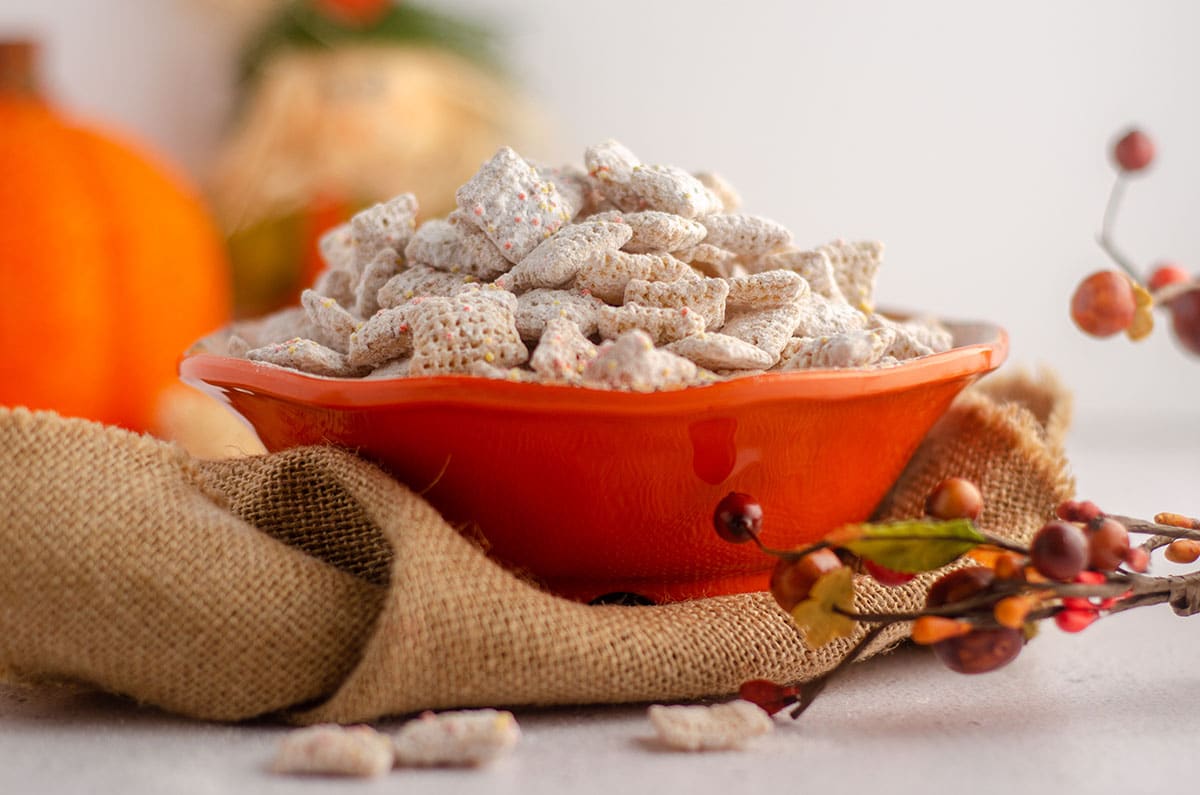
[
  {"x": 954, "y": 498},
  {"x": 1103, "y": 304},
  {"x": 1183, "y": 550},
  {"x": 1011, "y": 611},
  {"x": 928, "y": 630}
]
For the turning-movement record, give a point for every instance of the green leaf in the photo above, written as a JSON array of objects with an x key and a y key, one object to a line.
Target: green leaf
[
  {"x": 815, "y": 615},
  {"x": 917, "y": 546}
]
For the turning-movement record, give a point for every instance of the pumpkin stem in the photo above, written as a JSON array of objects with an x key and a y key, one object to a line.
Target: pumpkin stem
[{"x": 18, "y": 67}]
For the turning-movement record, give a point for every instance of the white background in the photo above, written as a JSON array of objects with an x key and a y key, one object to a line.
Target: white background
[{"x": 972, "y": 138}]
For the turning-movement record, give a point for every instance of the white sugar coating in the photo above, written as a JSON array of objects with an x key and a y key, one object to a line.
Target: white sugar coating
[
  {"x": 538, "y": 307},
  {"x": 420, "y": 281},
  {"x": 558, "y": 259},
  {"x": 704, "y": 296},
  {"x": 386, "y": 225},
  {"x": 768, "y": 288},
  {"x": 457, "y": 246},
  {"x": 340, "y": 285},
  {"x": 709, "y": 259},
  {"x": 536, "y": 264},
  {"x": 332, "y": 750},
  {"x": 306, "y": 356},
  {"x": 745, "y": 234},
  {"x": 611, "y": 165},
  {"x": 382, "y": 338},
  {"x": 721, "y": 352},
  {"x": 814, "y": 266},
  {"x": 730, "y": 199},
  {"x": 463, "y": 738},
  {"x": 768, "y": 329},
  {"x": 337, "y": 248},
  {"x": 855, "y": 266},
  {"x": 449, "y": 334},
  {"x": 563, "y": 353},
  {"x": 663, "y": 325},
  {"x": 861, "y": 348},
  {"x": 375, "y": 275},
  {"x": 632, "y": 362},
  {"x": 331, "y": 323},
  {"x": 709, "y": 728},
  {"x": 672, "y": 190},
  {"x": 656, "y": 231},
  {"x": 607, "y": 278},
  {"x": 822, "y": 317},
  {"x": 513, "y": 205}
]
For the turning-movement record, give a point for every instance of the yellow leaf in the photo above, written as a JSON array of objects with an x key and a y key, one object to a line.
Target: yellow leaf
[
  {"x": 816, "y": 616},
  {"x": 1143, "y": 313}
]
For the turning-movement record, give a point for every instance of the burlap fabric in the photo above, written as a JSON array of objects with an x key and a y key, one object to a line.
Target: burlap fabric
[{"x": 310, "y": 586}]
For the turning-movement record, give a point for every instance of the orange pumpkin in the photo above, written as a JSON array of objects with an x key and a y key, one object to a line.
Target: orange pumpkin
[{"x": 109, "y": 266}]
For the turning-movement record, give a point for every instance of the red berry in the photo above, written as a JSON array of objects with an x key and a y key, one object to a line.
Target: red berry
[
  {"x": 769, "y": 696},
  {"x": 1166, "y": 273},
  {"x": 1108, "y": 544},
  {"x": 1076, "y": 619},
  {"x": 954, "y": 498},
  {"x": 1059, "y": 551},
  {"x": 1134, "y": 151},
  {"x": 794, "y": 578},
  {"x": 1103, "y": 304},
  {"x": 886, "y": 576},
  {"x": 1137, "y": 559},
  {"x": 1078, "y": 511},
  {"x": 738, "y": 517},
  {"x": 1185, "y": 319}
]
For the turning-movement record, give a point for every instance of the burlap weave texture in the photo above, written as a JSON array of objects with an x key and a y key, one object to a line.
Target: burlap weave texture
[{"x": 308, "y": 584}]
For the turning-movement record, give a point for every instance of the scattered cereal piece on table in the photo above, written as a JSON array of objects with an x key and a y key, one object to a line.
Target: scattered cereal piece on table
[
  {"x": 462, "y": 738},
  {"x": 307, "y": 356},
  {"x": 456, "y": 246},
  {"x": 332, "y": 750},
  {"x": 662, "y": 324},
  {"x": 709, "y": 728},
  {"x": 704, "y": 296},
  {"x": 510, "y": 202},
  {"x": 538, "y": 307},
  {"x": 558, "y": 259},
  {"x": 386, "y": 225},
  {"x": 767, "y": 288},
  {"x": 332, "y": 324},
  {"x": 563, "y": 353},
  {"x": 745, "y": 234},
  {"x": 721, "y": 352},
  {"x": 632, "y": 362}
]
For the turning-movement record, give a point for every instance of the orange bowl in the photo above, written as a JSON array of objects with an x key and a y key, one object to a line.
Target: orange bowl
[{"x": 596, "y": 492}]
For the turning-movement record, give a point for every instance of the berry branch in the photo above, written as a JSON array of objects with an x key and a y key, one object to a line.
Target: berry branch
[
  {"x": 1076, "y": 569},
  {"x": 1113, "y": 301}
]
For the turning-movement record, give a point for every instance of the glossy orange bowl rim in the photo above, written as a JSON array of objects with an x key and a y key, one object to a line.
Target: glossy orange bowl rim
[{"x": 969, "y": 359}]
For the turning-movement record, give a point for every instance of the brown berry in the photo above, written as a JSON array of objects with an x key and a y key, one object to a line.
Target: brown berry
[
  {"x": 793, "y": 578},
  {"x": 981, "y": 650},
  {"x": 738, "y": 517},
  {"x": 1185, "y": 319},
  {"x": 1134, "y": 151},
  {"x": 1103, "y": 304},
  {"x": 954, "y": 498},
  {"x": 1108, "y": 544},
  {"x": 1059, "y": 551},
  {"x": 959, "y": 585}
]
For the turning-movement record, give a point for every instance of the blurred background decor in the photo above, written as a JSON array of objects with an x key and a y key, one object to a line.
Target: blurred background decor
[
  {"x": 111, "y": 264},
  {"x": 342, "y": 104}
]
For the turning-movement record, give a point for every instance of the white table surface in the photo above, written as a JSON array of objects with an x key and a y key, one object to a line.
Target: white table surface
[{"x": 1113, "y": 709}]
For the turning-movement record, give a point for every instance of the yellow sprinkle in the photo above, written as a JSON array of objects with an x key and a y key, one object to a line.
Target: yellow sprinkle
[{"x": 489, "y": 357}]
